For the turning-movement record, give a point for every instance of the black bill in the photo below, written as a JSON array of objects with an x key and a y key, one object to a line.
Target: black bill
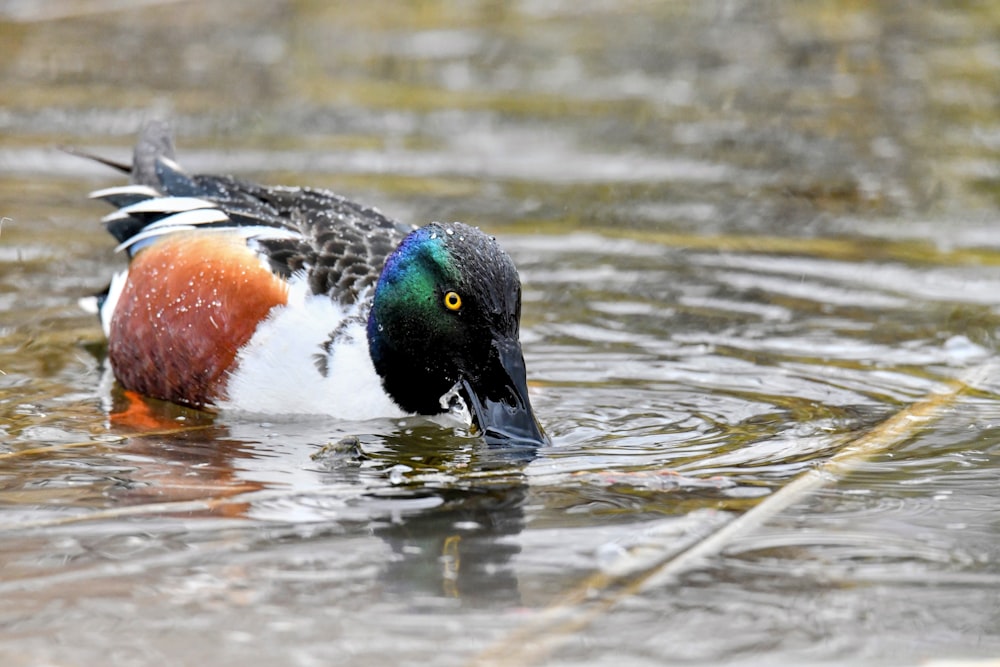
[{"x": 499, "y": 400}]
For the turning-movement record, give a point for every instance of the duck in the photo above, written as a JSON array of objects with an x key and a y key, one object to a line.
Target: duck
[{"x": 296, "y": 300}]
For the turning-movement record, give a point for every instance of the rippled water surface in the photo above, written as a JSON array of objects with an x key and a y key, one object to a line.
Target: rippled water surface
[{"x": 751, "y": 235}]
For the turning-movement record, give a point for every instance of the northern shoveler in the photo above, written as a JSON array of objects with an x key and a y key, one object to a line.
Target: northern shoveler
[{"x": 297, "y": 300}]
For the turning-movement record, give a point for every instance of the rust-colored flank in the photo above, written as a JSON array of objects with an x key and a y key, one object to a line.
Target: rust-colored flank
[{"x": 190, "y": 303}]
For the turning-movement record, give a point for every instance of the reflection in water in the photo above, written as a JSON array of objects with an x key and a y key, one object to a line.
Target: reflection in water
[
  {"x": 462, "y": 549},
  {"x": 746, "y": 233},
  {"x": 451, "y": 542},
  {"x": 182, "y": 455}
]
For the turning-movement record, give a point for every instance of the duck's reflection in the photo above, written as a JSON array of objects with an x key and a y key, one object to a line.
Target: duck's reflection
[
  {"x": 462, "y": 549},
  {"x": 177, "y": 454},
  {"x": 459, "y": 544}
]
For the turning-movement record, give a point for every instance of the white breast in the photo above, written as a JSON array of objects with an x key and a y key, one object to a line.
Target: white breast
[{"x": 276, "y": 370}]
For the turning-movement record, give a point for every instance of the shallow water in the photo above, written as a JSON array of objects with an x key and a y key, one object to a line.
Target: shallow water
[{"x": 748, "y": 235}]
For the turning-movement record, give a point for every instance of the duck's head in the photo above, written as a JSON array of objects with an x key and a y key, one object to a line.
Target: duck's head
[{"x": 446, "y": 314}]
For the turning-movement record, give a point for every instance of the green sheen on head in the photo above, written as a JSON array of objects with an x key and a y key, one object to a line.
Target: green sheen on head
[
  {"x": 445, "y": 294},
  {"x": 412, "y": 279}
]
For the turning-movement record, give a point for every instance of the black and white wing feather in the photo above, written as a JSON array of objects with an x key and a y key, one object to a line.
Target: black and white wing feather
[{"x": 338, "y": 244}]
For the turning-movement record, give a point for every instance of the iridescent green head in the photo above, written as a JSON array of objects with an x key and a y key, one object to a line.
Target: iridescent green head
[{"x": 446, "y": 312}]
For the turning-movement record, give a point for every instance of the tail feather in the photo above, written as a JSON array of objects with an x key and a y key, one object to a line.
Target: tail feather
[
  {"x": 173, "y": 180},
  {"x": 114, "y": 164},
  {"x": 161, "y": 198},
  {"x": 155, "y": 142},
  {"x": 154, "y": 178}
]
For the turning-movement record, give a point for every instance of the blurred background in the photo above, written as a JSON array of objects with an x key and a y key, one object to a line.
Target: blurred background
[{"x": 748, "y": 232}]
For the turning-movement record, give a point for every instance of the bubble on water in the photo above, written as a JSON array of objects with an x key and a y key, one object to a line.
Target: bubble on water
[{"x": 397, "y": 473}]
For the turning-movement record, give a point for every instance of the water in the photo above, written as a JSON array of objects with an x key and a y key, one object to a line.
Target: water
[{"x": 748, "y": 235}]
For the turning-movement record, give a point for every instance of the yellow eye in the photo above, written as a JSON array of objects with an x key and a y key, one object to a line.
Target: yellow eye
[{"x": 452, "y": 301}]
